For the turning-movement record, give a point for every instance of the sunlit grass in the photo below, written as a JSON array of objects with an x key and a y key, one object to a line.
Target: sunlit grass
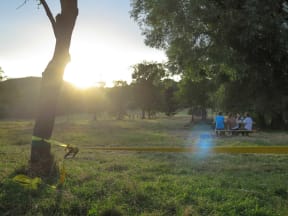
[
  {"x": 138, "y": 183},
  {"x": 119, "y": 133}
]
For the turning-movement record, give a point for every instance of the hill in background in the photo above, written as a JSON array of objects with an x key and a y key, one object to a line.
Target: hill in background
[{"x": 19, "y": 97}]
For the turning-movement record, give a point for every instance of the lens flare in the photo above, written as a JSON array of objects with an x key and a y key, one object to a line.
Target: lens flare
[{"x": 204, "y": 144}]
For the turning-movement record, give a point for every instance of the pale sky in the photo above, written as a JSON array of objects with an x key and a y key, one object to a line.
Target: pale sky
[{"x": 106, "y": 42}]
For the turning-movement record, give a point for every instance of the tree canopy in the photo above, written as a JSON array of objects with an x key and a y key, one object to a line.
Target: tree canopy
[
  {"x": 147, "y": 78},
  {"x": 236, "y": 43}
]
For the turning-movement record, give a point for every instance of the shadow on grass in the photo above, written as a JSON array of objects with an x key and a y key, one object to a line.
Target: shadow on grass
[{"x": 21, "y": 199}]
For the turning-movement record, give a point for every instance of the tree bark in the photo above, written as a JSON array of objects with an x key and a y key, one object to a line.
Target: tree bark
[{"x": 41, "y": 160}]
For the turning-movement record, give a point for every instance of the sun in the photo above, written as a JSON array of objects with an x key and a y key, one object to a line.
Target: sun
[
  {"x": 81, "y": 70},
  {"x": 87, "y": 72},
  {"x": 92, "y": 64},
  {"x": 80, "y": 74},
  {"x": 94, "y": 61}
]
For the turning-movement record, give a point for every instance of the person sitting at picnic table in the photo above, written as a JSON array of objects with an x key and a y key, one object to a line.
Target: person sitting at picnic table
[
  {"x": 219, "y": 123},
  {"x": 248, "y": 123},
  {"x": 237, "y": 124},
  {"x": 231, "y": 123},
  {"x": 238, "y": 119}
]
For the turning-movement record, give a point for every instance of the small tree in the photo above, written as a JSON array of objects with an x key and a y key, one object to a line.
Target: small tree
[
  {"x": 41, "y": 160},
  {"x": 1, "y": 74}
]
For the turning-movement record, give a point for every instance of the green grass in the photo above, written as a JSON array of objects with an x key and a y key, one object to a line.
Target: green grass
[{"x": 139, "y": 183}]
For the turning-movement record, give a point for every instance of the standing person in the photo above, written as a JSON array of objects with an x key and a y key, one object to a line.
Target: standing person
[
  {"x": 219, "y": 121},
  {"x": 248, "y": 123}
]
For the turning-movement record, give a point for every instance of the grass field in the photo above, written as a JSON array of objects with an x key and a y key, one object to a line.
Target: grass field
[{"x": 145, "y": 183}]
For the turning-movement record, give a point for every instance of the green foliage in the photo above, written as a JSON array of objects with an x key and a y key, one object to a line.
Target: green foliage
[
  {"x": 171, "y": 102},
  {"x": 195, "y": 93},
  {"x": 148, "y": 72},
  {"x": 240, "y": 41},
  {"x": 147, "y": 79}
]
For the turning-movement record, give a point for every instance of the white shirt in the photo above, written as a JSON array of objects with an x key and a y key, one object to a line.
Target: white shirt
[{"x": 248, "y": 123}]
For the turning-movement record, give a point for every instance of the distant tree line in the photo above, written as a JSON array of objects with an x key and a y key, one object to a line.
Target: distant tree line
[{"x": 150, "y": 92}]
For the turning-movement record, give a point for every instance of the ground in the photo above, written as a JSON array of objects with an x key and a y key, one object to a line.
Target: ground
[{"x": 145, "y": 183}]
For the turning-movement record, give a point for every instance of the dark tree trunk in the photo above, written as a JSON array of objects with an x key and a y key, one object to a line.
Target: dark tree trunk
[
  {"x": 261, "y": 122},
  {"x": 41, "y": 161},
  {"x": 277, "y": 121},
  {"x": 203, "y": 114},
  {"x": 143, "y": 114},
  {"x": 192, "y": 118}
]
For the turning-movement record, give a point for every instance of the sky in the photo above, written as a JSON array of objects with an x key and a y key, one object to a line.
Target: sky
[{"x": 106, "y": 42}]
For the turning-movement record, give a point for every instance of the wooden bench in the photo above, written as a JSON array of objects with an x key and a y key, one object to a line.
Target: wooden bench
[{"x": 233, "y": 132}]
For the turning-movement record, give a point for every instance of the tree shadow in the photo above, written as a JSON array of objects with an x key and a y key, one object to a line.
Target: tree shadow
[{"x": 20, "y": 198}]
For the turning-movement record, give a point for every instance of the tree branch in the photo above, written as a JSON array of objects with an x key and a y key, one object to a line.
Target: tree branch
[
  {"x": 22, "y": 4},
  {"x": 50, "y": 15}
]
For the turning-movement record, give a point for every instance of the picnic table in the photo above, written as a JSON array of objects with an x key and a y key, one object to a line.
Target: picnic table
[{"x": 230, "y": 132}]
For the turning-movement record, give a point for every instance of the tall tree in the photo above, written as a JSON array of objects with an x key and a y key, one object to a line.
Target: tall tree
[
  {"x": 207, "y": 39},
  {"x": 195, "y": 95},
  {"x": 41, "y": 160},
  {"x": 147, "y": 78}
]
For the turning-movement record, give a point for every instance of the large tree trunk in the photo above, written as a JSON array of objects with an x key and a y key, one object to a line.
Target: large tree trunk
[
  {"x": 41, "y": 161},
  {"x": 261, "y": 122},
  {"x": 277, "y": 121}
]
